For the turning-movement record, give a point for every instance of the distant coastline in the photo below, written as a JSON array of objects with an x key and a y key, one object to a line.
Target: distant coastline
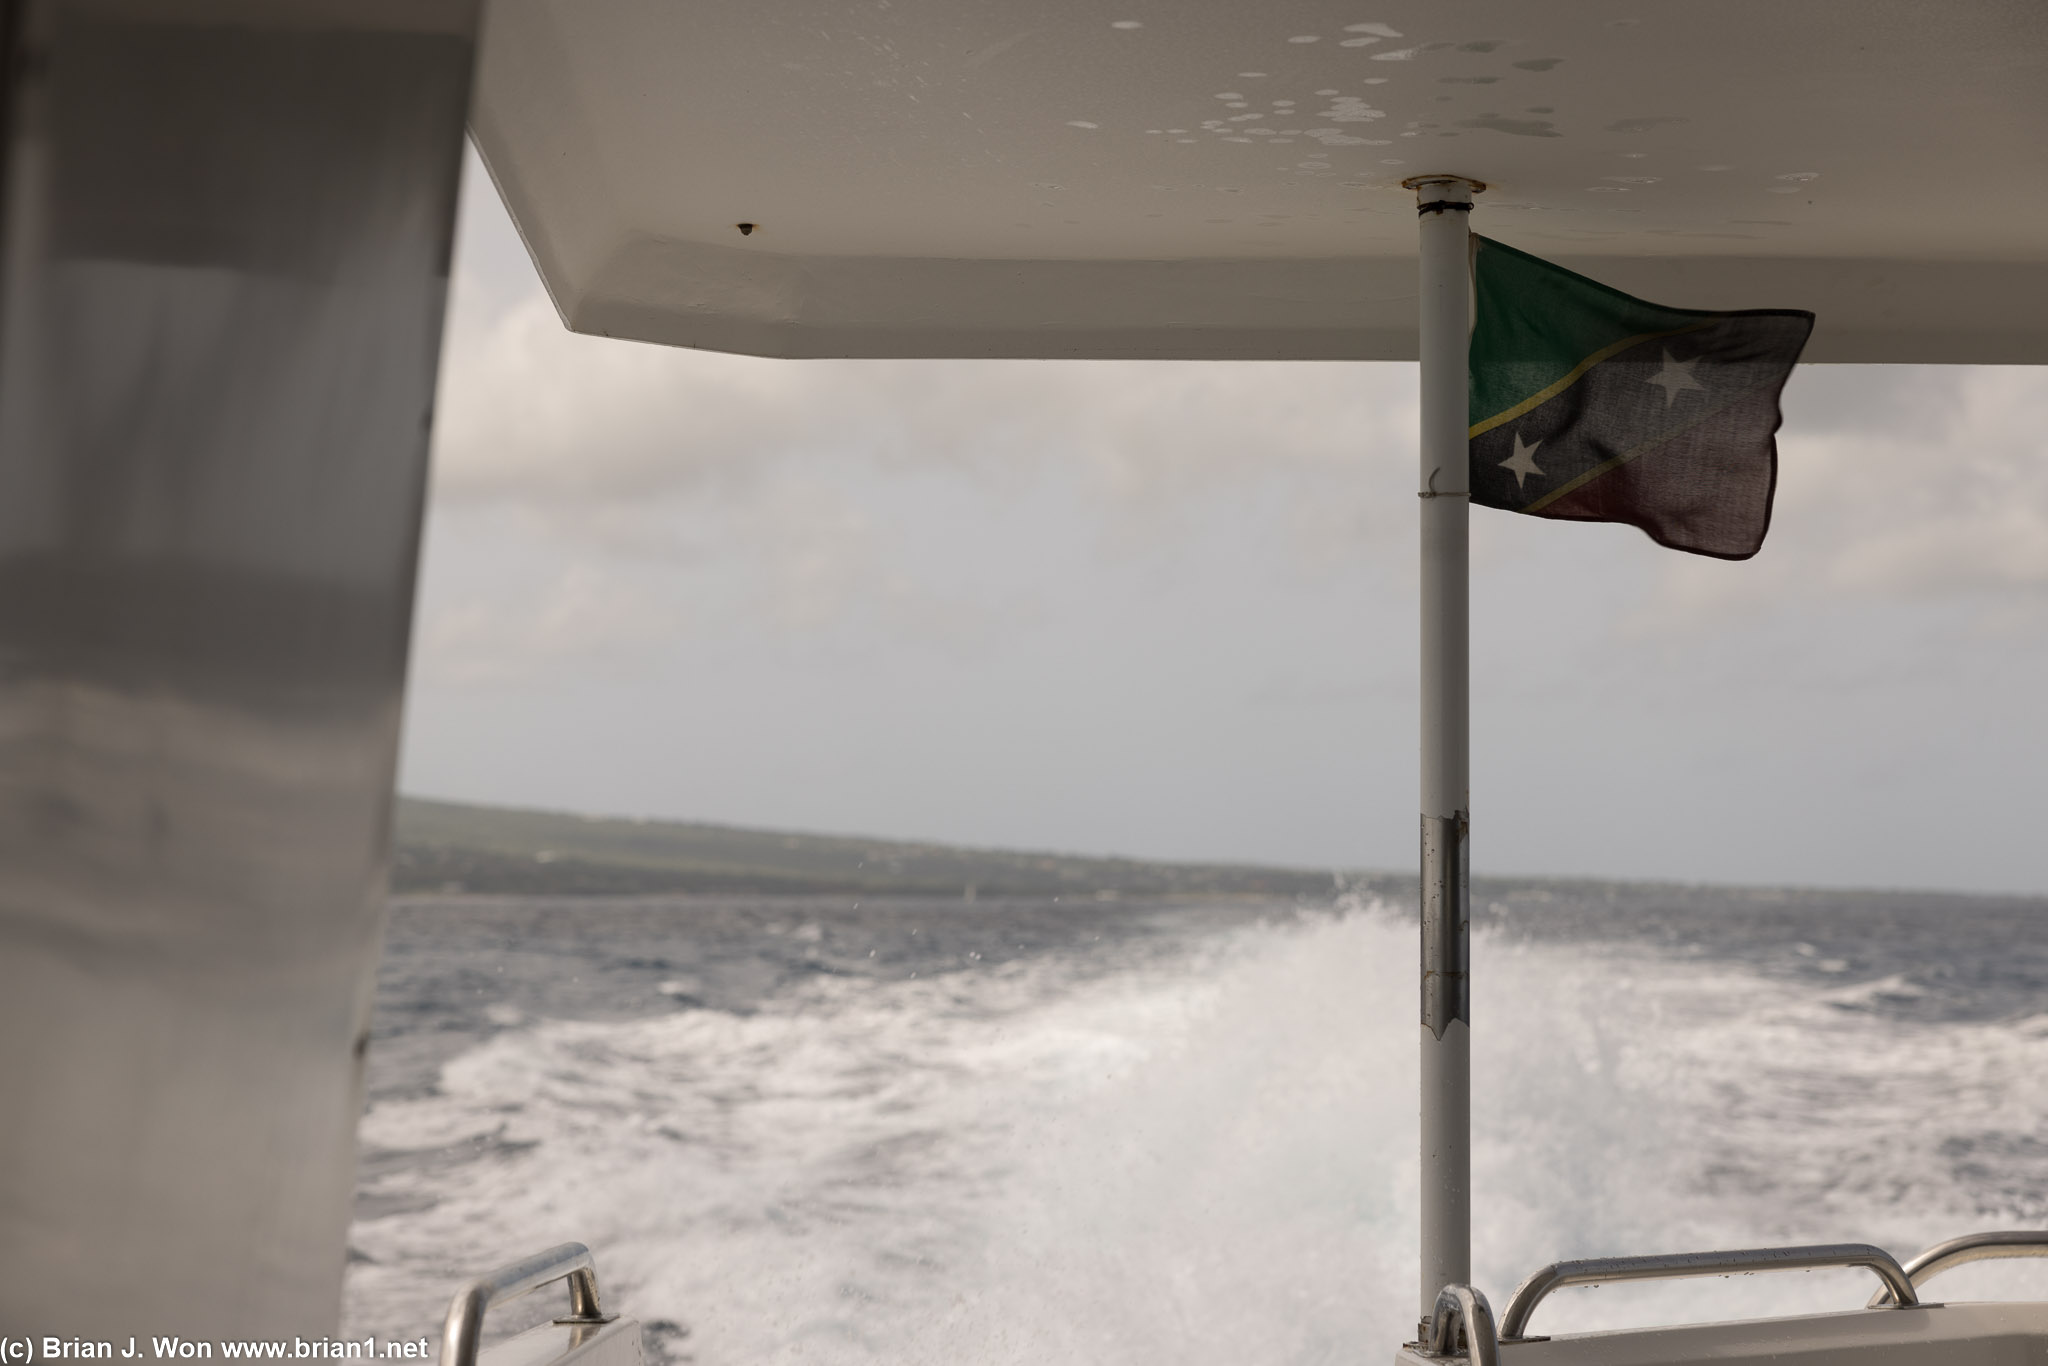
[
  {"x": 446, "y": 847},
  {"x": 454, "y": 849}
]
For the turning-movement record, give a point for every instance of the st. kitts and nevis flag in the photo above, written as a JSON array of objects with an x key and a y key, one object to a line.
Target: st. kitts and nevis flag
[{"x": 1591, "y": 406}]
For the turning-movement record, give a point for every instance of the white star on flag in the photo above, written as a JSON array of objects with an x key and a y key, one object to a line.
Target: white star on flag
[
  {"x": 1676, "y": 377},
  {"x": 1522, "y": 462}
]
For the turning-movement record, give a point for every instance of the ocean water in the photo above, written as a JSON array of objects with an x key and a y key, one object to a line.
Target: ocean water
[{"x": 838, "y": 1131}]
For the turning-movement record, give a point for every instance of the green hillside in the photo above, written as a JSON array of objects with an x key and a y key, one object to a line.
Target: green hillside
[{"x": 445, "y": 847}]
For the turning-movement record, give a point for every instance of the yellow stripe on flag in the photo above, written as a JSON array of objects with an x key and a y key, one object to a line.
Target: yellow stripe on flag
[{"x": 1578, "y": 372}]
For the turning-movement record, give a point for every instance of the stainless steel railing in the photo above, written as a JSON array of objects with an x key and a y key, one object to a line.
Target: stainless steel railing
[
  {"x": 1747, "y": 1261},
  {"x": 1462, "y": 1322},
  {"x": 1971, "y": 1247},
  {"x": 570, "y": 1262}
]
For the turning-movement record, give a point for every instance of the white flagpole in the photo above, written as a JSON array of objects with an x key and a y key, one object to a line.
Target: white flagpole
[{"x": 1446, "y": 307}]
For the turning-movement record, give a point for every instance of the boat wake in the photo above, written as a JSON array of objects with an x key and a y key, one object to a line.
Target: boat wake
[{"x": 1204, "y": 1155}]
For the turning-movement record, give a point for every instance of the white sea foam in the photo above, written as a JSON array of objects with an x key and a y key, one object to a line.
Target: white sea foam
[{"x": 1206, "y": 1164}]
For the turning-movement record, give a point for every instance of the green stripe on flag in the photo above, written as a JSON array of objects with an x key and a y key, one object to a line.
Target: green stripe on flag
[{"x": 1540, "y": 327}]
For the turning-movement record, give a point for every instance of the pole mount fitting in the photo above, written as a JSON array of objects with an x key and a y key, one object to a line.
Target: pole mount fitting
[
  {"x": 1461, "y": 1325},
  {"x": 1443, "y": 193}
]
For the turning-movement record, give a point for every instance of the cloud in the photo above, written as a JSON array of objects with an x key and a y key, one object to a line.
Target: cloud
[
  {"x": 531, "y": 411},
  {"x": 841, "y": 497},
  {"x": 1893, "y": 478},
  {"x": 805, "y": 480},
  {"x": 819, "y": 549},
  {"x": 583, "y": 614},
  {"x": 1959, "y": 508}
]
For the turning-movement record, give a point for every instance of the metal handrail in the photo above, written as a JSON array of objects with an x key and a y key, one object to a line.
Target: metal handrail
[
  {"x": 1598, "y": 1270},
  {"x": 1971, "y": 1247},
  {"x": 1462, "y": 1312},
  {"x": 572, "y": 1262}
]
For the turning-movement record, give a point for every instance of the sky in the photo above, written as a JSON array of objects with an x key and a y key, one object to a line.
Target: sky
[{"x": 1167, "y": 610}]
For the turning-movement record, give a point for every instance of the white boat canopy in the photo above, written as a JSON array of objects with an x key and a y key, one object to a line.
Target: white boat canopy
[{"x": 1217, "y": 179}]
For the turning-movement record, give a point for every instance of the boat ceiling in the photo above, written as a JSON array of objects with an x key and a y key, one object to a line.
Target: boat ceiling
[{"x": 1221, "y": 179}]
